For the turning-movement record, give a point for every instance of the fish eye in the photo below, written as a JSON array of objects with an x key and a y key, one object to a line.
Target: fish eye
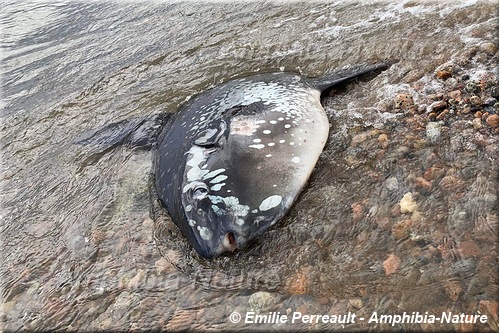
[
  {"x": 209, "y": 147},
  {"x": 200, "y": 192}
]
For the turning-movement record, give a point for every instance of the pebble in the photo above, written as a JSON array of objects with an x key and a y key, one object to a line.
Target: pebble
[
  {"x": 476, "y": 100},
  {"x": 488, "y": 48},
  {"x": 401, "y": 229},
  {"x": 433, "y": 173},
  {"x": 444, "y": 73},
  {"x": 421, "y": 182},
  {"x": 134, "y": 282},
  {"x": 490, "y": 307},
  {"x": 472, "y": 87},
  {"x": 453, "y": 289},
  {"x": 403, "y": 101},
  {"x": 466, "y": 110},
  {"x": 455, "y": 95},
  {"x": 163, "y": 266},
  {"x": 438, "y": 105},
  {"x": 392, "y": 183},
  {"x": 298, "y": 284},
  {"x": 357, "y": 211},
  {"x": 442, "y": 114},
  {"x": 391, "y": 264},
  {"x": 477, "y": 123},
  {"x": 451, "y": 183},
  {"x": 260, "y": 300},
  {"x": 493, "y": 120},
  {"x": 383, "y": 141},
  {"x": 451, "y": 83},
  {"x": 469, "y": 249},
  {"x": 494, "y": 91},
  {"x": 408, "y": 204},
  {"x": 433, "y": 131}
]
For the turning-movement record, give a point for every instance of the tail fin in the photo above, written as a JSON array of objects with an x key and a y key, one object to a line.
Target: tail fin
[{"x": 345, "y": 74}]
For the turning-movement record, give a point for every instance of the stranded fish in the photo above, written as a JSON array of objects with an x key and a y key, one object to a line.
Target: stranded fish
[{"x": 232, "y": 160}]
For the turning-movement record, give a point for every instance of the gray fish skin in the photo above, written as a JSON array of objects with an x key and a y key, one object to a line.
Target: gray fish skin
[{"x": 234, "y": 158}]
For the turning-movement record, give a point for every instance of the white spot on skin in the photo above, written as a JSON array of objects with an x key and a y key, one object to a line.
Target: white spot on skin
[
  {"x": 188, "y": 208},
  {"x": 205, "y": 233},
  {"x": 192, "y": 223},
  {"x": 274, "y": 185},
  {"x": 292, "y": 143},
  {"x": 217, "y": 210},
  {"x": 270, "y": 202},
  {"x": 267, "y": 131},
  {"x": 217, "y": 187},
  {"x": 257, "y": 140},
  {"x": 268, "y": 155},
  {"x": 258, "y": 146},
  {"x": 282, "y": 141},
  {"x": 280, "y": 118},
  {"x": 213, "y": 173},
  {"x": 218, "y": 179},
  {"x": 273, "y": 122},
  {"x": 232, "y": 204},
  {"x": 254, "y": 211},
  {"x": 295, "y": 159},
  {"x": 239, "y": 222},
  {"x": 270, "y": 144},
  {"x": 287, "y": 126}
]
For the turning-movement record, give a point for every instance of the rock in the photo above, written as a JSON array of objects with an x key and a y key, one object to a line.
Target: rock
[
  {"x": 260, "y": 300},
  {"x": 135, "y": 282},
  {"x": 401, "y": 229},
  {"x": 444, "y": 73},
  {"x": 477, "y": 123},
  {"x": 408, "y": 204},
  {"x": 442, "y": 114},
  {"x": 356, "y": 303},
  {"x": 491, "y": 308},
  {"x": 395, "y": 211},
  {"x": 451, "y": 184},
  {"x": 359, "y": 138},
  {"x": 433, "y": 131},
  {"x": 488, "y": 48},
  {"x": 456, "y": 95},
  {"x": 451, "y": 83},
  {"x": 438, "y": 105},
  {"x": 392, "y": 183},
  {"x": 475, "y": 100},
  {"x": 453, "y": 289},
  {"x": 490, "y": 101},
  {"x": 466, "y": 110},
  {"x": 493, "y": 120},
  {"x": 472, "y": 87},
  {"x": 435, "y": 97},
  {"x": 494, "y": 92},
  {"x": 391, "y": 264},
  {"x": 357, "y": 211},
  {"x": 298, "y": 283},
  {"x": 403, "y": 101},
  {"x": 383, "y": 141},
  {"x": 421, "y": 182},
  {"x": 469, "y": 249},
  {"x": 163, "y": 266}
]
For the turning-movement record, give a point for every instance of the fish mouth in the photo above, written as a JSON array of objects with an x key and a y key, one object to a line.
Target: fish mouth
[{"x": 229, "y": 242}]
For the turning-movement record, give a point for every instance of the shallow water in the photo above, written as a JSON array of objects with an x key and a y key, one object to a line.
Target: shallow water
[{"x": 80, "y": 250}]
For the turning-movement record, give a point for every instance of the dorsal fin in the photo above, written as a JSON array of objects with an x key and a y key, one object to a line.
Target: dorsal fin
[{"x": 341, "y": 75}]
